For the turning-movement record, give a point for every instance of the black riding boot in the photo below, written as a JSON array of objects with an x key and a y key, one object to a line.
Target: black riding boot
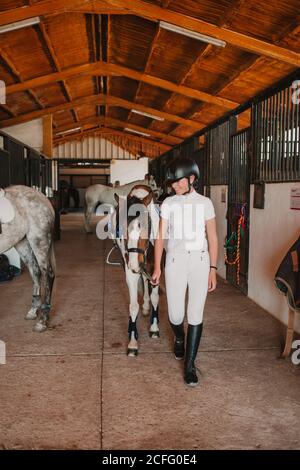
[
  {"x": 193, "y": 339},
  {"x": 179, "y": 341}
]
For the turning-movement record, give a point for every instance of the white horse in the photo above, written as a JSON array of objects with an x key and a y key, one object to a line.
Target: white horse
[
  {"x": 26, "y": 223},
  {"x": 134, "y": 226},
  {"x": 102, "y": 194}
]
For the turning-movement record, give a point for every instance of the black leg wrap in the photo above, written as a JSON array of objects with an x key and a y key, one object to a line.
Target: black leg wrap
[
  {"x": 132, "y": 328},
  {"x": 153, "y": 317},
  {"x": 192, "y": 344},
  {"x": 154, "y": 314},
  {"x": 179, "y": 341}
]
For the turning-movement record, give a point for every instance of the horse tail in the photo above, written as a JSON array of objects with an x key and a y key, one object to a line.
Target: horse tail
[{"x": 52, "y": 258}]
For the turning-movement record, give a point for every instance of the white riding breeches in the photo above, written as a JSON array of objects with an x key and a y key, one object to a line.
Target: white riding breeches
[{"x": 187, "y": 269}]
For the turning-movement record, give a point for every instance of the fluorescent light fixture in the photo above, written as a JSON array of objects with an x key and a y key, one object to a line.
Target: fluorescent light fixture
[
  {"x": 192, "y": 34},
  {"x": 20, "y": 24},
  {"x": 147, "y": 115},
  {"x": 136, "y": 132},
  {"x": 69, "y": 131}
]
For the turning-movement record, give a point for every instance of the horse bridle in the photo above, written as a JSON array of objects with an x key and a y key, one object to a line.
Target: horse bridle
[{"x": 140, "y": 251}]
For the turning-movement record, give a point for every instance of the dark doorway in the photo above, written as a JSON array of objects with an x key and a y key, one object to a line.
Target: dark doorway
[{"x": 237, "y": 243}]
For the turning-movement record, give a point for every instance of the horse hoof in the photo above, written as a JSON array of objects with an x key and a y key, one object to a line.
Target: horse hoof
[
  {"x": 154, "y": 334},
  {"x": 39, "y": 327},
  {"x": 31, "y": 315},
  {"x": 132, "y": 352}
]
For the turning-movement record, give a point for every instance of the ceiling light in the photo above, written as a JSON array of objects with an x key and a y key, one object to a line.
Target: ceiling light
[
  {"x": 20, "y": 24},
  {"x": 68, "y": 131},
  {"x": 192, "y": 34},
  {"x": 147, "y": 115},
  {"x": 136, "y": 132}
]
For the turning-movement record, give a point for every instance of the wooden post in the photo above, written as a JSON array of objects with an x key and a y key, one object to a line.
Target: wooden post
[{"x": 48, "y": 136}]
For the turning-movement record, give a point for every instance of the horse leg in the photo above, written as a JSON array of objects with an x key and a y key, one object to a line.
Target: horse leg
[
  {"x": 50, "y": 278},
  {"x": 132, "y": 280},
  {"x": 154, "y": 321},
  {"x": 28, "y": 258},
  {"x": 89, "y": 210},
  {"x": 146, "y": 304},
  {"x": 43, "y": 251}
]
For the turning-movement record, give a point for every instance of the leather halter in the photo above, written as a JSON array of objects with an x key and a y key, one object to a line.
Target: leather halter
[
  {"x": 136, "y": 250},
  {"x": 140, "y": 251},
  {"x": 120, "y": 235}
]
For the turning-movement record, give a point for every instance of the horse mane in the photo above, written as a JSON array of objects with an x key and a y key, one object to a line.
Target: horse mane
[{"x": 140, "y": 186}]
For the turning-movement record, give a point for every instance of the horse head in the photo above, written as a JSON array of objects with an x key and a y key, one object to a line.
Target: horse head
[
  {"x": 133, "y": 225},
  {"x": 153, "y": 186}
]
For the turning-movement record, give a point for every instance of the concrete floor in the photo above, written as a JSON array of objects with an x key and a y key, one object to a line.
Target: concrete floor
[{"x": 74, "y": 387}]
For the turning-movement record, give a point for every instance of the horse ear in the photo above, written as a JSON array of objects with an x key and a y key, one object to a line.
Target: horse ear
[
  {"x": 116, "y": 196},
  {"x": 148, "y": 199}
]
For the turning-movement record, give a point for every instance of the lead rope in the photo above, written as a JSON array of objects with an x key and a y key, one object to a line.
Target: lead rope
[{"x": 237, "y": 260}]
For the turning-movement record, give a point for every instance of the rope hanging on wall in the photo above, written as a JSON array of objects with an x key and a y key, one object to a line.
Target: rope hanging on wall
[{"x": 235, "y": 237}]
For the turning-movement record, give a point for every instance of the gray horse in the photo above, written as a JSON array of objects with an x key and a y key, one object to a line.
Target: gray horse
[{"x": 26, "y": 223}]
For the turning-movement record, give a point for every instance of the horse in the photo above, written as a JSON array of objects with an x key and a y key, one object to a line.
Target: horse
[
  {"x": 26, "y": 223},
  {"x": 102, "y": 194},
  {"x": 134, "y": 227}
]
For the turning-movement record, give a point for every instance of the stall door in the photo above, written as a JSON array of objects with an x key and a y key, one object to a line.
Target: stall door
[
  {"x": 17, "y": 167},
  {"x": 4, "y": 169},
  {"x": 237, "y": 242}
]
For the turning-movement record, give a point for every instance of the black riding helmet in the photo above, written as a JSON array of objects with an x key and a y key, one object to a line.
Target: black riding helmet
[{"x": 181, "y": 167}]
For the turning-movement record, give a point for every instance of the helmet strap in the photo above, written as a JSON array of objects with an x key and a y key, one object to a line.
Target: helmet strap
[{"x": 190, "y": 187}]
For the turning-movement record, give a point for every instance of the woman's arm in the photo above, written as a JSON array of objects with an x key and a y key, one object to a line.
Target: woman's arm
[
  {"x": 212, "y": 238},
  {"x": 158, "y": 250}
]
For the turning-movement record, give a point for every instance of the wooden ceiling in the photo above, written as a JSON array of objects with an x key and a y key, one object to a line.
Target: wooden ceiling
[{"x": 90, "y": 62}]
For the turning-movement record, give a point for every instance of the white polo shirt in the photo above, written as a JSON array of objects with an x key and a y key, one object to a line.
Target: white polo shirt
[{"x": 186, "y": 216}]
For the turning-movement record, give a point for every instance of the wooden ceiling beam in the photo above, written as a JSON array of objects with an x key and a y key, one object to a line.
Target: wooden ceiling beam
[
  {"x": 165, "y": 3},
  {"x": 100, "y": 99},
  {"x": 242, "y": 41},
  {"x": 8, "y": 110},
  {"x": 123, "y": 134},
  {"x": 207, "y": 49},
  {"x": 17, "y": 75},
  {"x": 233, "y": 9},
  {"x": 210, "y": 50},
  {"x": 116, "y": 122},
  {"x": 54, "y": 7},
  {"x": 106, "y": 69},
  {"x": 294, "y": 29},
  {"x": 146, "y": 67},
  {"x": 53, "y": 56},
  {"x": 154, "y": 13}
]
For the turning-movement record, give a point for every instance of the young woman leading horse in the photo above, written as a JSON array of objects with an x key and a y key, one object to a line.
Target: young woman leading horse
[{"x": 188, "y": 222}]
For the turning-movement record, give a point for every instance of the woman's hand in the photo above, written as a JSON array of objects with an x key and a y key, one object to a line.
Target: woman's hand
[
  {"x": 156, "y": 276},
  {"x": 212, "y": 280}
]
